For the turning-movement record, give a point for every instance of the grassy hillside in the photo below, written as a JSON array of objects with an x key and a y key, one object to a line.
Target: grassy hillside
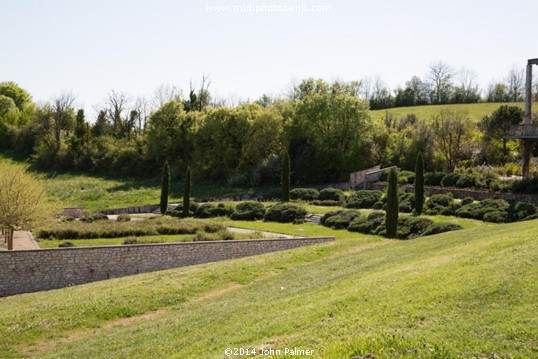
[
  {"x": 470, "y": 293},
  {"x": 476, "y": 110}
]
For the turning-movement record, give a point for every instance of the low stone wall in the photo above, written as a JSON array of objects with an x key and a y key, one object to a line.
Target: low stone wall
[
  {"x": 463, "y": 192},
  {"x": 131, "y": 210},
  {"x": 44, "y": 269}
]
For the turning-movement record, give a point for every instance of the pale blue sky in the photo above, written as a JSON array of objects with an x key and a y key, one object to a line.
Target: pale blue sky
[{"x": 94, "y": 46}]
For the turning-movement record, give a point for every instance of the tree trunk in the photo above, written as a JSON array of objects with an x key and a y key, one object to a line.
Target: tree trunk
[{"x": 9, "y": 235}]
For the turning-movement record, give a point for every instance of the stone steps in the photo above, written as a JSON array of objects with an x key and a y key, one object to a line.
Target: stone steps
[{"x": 313, "y": 218}]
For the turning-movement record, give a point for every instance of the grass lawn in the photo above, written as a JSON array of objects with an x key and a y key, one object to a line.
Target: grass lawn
[
  {"x": 475, "y": 110},
  {"x": 468, "y": 293}
]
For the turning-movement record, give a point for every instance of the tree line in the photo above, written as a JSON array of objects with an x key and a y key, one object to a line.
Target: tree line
[{"x": 326, "y": 129}]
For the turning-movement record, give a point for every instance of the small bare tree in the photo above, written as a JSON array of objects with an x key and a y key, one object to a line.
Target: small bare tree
[
  {"x": 440, "y": 76},
  {"x": 515, "y": 85}
]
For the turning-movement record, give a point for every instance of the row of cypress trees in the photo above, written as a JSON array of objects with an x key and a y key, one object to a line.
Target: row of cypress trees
[
  {"x": 165, "y": 190},
  {"x": 391, "y": 212}
]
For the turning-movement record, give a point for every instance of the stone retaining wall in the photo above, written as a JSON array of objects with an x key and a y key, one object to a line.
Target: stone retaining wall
[
  {"x": 44, "y": 269},
  {"x": 463, "y": 192}
]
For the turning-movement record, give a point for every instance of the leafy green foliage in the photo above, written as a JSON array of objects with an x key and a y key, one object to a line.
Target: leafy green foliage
[
  {"x": 248, "y": 211},
  {"x": 285, "y": 181},
  {"x": 187, "y": 192},
  {"x": 165, "y": 188},
  {"x": 331, "y": 194},
  {"x": 305, "y": 194},
  {"x": 363, "y": 199},
  {"x": 284, "y": 213},
  {"x": 419, "y": 185},
  {"x": 339, "y": 219}
]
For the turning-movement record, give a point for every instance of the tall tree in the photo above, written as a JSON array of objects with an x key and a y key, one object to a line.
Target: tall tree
[
  {"x": 419, "y": 185},
  {"x": 515, "y": 85},
  {"x": 285, "y": 180},
  {"x": 391, "y": 212},
  {"x": 187, "y": 192},
  {"x": 165, "y": 188},
  {"x": 440, "y": 76}
]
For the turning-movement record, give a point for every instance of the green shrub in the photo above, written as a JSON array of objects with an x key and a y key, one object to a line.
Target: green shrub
[
  {"x": 248, "y": 211},
  {"x": 124, "y": 217},
  {"x": 523, "y": 210},
  {"x": 496, "y": 217},
  {"x": 406, "y": 202},
  {"x": 95, "y": 217},
  {"x": 364, "y": 199},
  {"x": 331, "y": 194},
  {"x": 406, "y": 177},
  {"x": 525, "y": 186},
  {"x": 304, "y": 194},
  {"x": 284, "y": 213},
  {"x": 373, "y": 224},
  {"x": 412, "y": 227},
  {"x": 210, "y": 210},
  {"x": 450, "y": 179},
  {"x": 178, "y": 210},
  {"x": 419, "y": 185},
  {"x": 499, "y": 185},
  {"x": 467, "y": 200},
  {"x": 433, "y": 178},
  {"x": 65, "y": 245},
  {"x": 440, "y": 204},
  {"x": 441, "y": 227},
  {"x": 479, "y": 210},
  {"x": 378, "y": 205},
  {"x": 466, "y": 180}
]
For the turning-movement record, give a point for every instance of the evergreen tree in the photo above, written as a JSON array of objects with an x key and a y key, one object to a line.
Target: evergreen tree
[
  {"x": 391, "y": 217},
  {"x": 419, "y": 185},
  {"x": 285, "y": 180},
  {"x": 187, "y": 193},
  {"x": 165, "y": 188}
]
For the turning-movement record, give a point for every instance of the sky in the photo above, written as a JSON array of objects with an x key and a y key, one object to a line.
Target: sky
[{"x": 91, "y": 47}]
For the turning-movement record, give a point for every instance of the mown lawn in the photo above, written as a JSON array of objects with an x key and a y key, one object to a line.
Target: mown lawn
[
  {"x": 468, "y": 293},
  {"x": 476, "y": 110}
]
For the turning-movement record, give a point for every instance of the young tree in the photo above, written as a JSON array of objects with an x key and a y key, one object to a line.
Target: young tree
[
  {"x": 23, "y": 201},
  {"x": 452, "y": 134},
  {"x": 498, "y": 123},
  {"x": 187, "y": 193},
  {"x": 165, "y": 188},
  {"x": 285, "y": 177},
  {"x": 391, "y": 213},
  {"x": 440, "y": 77},
  {"x": 419, "y": 185}
]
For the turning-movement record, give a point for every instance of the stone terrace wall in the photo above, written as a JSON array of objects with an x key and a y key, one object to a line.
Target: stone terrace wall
[
  {"x": 44, "y": 269},
  {"x": 463, "y": 192}
]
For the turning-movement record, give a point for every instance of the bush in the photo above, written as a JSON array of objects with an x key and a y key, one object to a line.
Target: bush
[
  {"x": 450, "y": 179},
  {"x": 479, "y": 210},
  {"x": 523, "y": 210},
  {"x": 496, "y": 217},
  {"x": 178, "y": 210},
  {"x": 304, "y": 194},
  {"x": 248, "y": 211},
  {"x": 433, "y": 178},
  {"x": 440, "y": 204},
  {"x": 406, "y": 202},
  {"x": 364, "y": 199},
  {"x": 378, "y": 205},
  {"x": 65, "y": 245},
  {"x": 467, "y": 200},
  {"x": 441, "y": 227},
  {"x": 412, "y": 227},
  {"x": 124, "y": 217},
  {"x": 466, "y": 180},
  {"x": 210, "y": 210},
  {"x": 339, "y": 219},
  {"x": 406, "y": 177},
  {"x": 284, "y": 213},
  {"x": 499, "y": 185},
  {"x": 95, "y": 217},
  {"x": 331, "y": 194},
  {"x": 525, "y": 186},
  {"x": 373, "y": 224}
]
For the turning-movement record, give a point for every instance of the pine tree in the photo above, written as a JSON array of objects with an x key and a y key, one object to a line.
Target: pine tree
[
  {"x": 165, "y": 188},
  {"x": 419, "y": 185},
  {"x": 285, "y": 180},
  {"x": 391, "y": 217},
  {"x": 187, "y": 193}
]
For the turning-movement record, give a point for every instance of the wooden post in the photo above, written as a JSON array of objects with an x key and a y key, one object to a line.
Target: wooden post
[{"x": 528, "y": 114}]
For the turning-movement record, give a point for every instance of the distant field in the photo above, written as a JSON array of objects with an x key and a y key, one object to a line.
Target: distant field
[
  {"x": 469, "y": 293},
  {"x": 476, "y": 110}
]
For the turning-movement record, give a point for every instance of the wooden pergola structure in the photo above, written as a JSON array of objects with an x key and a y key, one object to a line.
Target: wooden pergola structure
[{"x": 527, "y": 131}]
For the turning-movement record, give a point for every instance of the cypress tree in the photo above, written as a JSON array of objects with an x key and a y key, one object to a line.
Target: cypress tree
[
  {"x": 391, "y": 216},
  {"x": 187, "y": 193},
  {"x": 285, "y": 180},
  {"x": 419, "y": 185},
  {"x": 165, "y": 188}
]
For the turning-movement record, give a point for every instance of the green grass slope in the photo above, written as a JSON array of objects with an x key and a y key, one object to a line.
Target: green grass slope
[
  {"x": 470, "y": 293},
  {"x": 475, "y": 110}
]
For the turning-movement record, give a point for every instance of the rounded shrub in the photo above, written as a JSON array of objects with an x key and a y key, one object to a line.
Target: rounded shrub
[
  {"x": 450, "y": 179},
  {"x": 433, "y": 178},
  {"x": 304, "y": 194},
  {"x": 331, "y": 194},
  {"x": 441, "y": 227},
  {"x": 496, "y": 217},
  {"x": 248, "y": 211},
  {"x": 124, "y": 217},
  {"x": 466, "y": 180},
  {"x": 467, "y": 200},
  {"x": 284, "y": 213},
  {"x": 523, "y": 210},
  {"x": 364, "y": 199}
]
